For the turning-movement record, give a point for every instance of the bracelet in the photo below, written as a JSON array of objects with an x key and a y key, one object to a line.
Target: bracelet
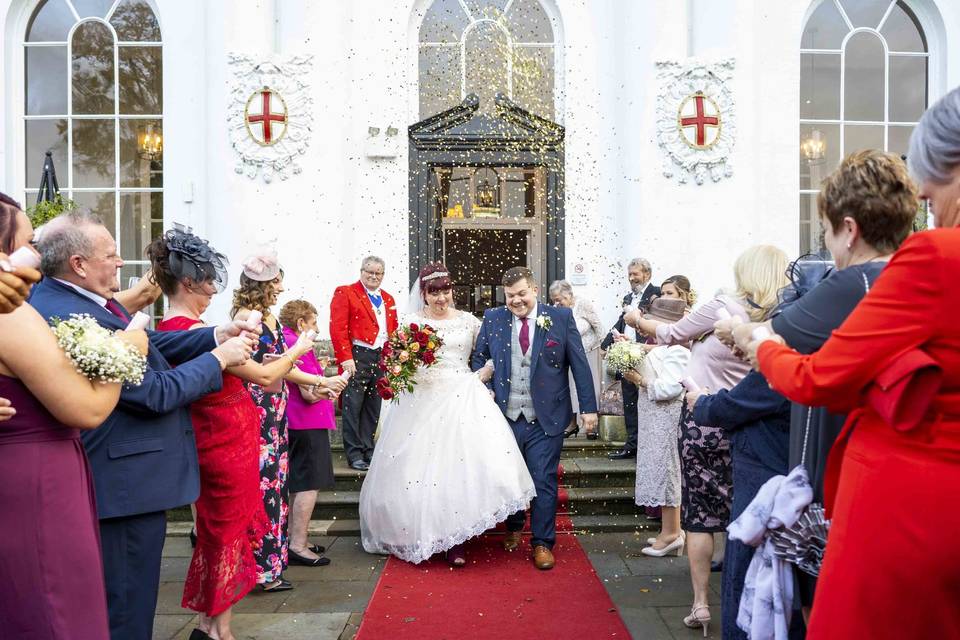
[
  {"x": 293, "y": 362},
  {"x": 320, "y": 382}
]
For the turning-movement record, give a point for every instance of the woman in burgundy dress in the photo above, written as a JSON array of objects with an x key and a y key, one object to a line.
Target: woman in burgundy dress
[
  {"x": 230, "y": 516},
  {"x": 51, "y": 584}
]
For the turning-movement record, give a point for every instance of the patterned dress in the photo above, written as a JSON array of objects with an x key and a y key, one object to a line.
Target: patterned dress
[{"x": 272, "y": 408}]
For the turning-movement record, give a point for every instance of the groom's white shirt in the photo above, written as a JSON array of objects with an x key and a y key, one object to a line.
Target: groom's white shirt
[{"x": 532, "y": 322}]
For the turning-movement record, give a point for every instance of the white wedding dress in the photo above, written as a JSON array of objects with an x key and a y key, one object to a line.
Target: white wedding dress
[{"x": 446, "y": 466}]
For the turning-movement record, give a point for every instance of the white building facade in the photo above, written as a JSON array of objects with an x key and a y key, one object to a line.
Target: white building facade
[{"x": 133, "y": 98}]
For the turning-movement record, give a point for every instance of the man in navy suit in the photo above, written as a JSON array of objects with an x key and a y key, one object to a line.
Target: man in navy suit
[
  {"x": 143, "y": 457},
  {"x": 533, "y": 348}
]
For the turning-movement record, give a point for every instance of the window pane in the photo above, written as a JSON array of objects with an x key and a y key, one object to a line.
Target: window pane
[
  {"x": 141, "y": 80},
  {"x": 141, "y": 167},
  {"x": 439, "y": 79},
  {"x": 902, "y": 30},
  {"x": 533, "y": 79},
  {"x": 135, "y": 22},
  {"x": 51, "y": 22},
  {"x": 810, "y": 232},
  {"x": 859, "y": 137},
  {"x": 898, "y": 139},
  {"x": 908, "y": 88},
  {"x": 94, "y": 162},
  {"x": 486, "y": 8},
  {"x": 92, "y": 8},
  {"x": 93, "y": 89},
  {"x": 815, "y": 166},
  {"x": 444, "y": 21},
  {"x": 141, "y": 220},
  {"x": 865, "y": 13},
  {"x": 820, "y": 86},
  {"x": 486, "y": 65},
  {"x": 43, "y": 136},
  {"x": 528, "y": 22},
  {"x": 46, "y": 74},
  {"x": 101, "y": 203},
  {"x": 825, "y": 29},
  {"x": 864, "y": 88}
]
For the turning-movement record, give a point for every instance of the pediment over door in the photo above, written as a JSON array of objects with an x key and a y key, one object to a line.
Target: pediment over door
[{"x": 464, "y": 127}]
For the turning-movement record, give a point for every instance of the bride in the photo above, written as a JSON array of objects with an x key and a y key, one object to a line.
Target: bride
[{"x": 446, "y": 466}]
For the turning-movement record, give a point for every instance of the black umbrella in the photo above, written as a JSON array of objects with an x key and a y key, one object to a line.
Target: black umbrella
[{"x": 49, "y": 189}]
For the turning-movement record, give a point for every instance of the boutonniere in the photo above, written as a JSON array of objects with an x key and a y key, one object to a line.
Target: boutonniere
[{"x": 544, "y": 322}]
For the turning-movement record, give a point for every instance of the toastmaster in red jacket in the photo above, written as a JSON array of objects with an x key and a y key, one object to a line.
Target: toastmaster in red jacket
[{"x": 361, "y": 317}]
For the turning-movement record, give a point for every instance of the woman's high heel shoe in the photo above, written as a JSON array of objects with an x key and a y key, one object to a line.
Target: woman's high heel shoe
[
  {"x": 569, "y": 433},
  {"x": 675, "y": 546},
  {"x": 696, "y": 619}
]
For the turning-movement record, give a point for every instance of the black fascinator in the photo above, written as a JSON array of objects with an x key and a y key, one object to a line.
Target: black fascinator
[
  {"x": 804, "y": 274},
  {"x": 193, "y": 257}
]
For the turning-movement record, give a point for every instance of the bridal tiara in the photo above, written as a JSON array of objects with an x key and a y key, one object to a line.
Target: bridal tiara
[{"x": 435, "y": 275}]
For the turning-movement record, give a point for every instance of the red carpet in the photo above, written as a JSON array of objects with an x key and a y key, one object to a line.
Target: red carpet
[{"x": 497, "y": 595}]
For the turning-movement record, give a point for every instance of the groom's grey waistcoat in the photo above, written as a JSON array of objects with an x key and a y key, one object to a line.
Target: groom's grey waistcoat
[{"x": 519, "y": 400}]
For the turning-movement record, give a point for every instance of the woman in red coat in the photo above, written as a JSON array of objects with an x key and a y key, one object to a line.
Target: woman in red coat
[{"x": 890, "y": 570}]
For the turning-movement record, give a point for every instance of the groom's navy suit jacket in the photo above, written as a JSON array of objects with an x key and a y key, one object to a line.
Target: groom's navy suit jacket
[
  {"x": 144, "y": 457},
  {"x": 554, "y": 352}
]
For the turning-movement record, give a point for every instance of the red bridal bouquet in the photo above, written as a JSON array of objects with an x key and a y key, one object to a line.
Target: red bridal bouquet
[{"x": 409, "y": 347}]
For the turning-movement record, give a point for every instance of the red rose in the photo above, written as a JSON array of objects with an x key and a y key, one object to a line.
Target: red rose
[
  {"x": 428, "y": 357},
  {"x": 386, "y": 394},
  {"x": 382, "y": 382},
  {"x": 386, "y": 351},
  {"x": 414, "y": 327},
  {"x": 422, "y": 338},
  {"x": 382, "y": 366}
]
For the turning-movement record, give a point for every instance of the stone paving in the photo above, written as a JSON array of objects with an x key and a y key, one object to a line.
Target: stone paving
[{"x": 652, "y": 594}]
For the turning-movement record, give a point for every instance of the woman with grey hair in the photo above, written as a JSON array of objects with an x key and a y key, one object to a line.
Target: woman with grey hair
[
  {"x": 591, "y": 333},
  {"x": 894, "y": 364}
]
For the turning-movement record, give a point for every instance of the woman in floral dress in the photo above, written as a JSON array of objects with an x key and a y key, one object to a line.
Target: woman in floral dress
[{"x": 260, "y": 285}]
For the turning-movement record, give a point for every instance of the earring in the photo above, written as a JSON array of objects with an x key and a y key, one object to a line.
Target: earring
[{"x": 849, "y": 245}]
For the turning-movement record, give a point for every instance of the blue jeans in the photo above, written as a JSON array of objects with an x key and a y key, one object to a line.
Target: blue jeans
[{"x": 541, "y": 452}]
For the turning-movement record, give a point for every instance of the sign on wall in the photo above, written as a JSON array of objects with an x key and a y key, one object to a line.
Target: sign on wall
[
  {"x": 270, "y": 114},
  {"x": 696, "y": 124}
]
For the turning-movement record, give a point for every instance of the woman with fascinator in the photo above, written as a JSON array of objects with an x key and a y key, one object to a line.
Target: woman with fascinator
[
  {"x": 231, "y": 521},
  {"x": 261, "y": 283},
  {"x": 446, "y": 467}
]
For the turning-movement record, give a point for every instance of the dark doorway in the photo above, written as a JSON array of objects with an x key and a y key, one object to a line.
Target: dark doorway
[{"x": 486, "y": 194}]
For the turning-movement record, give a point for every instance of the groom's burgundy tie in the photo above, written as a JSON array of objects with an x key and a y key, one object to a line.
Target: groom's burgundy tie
[
  {"x": 114, "y": 307},
  {"x": 524, "y": 335}
]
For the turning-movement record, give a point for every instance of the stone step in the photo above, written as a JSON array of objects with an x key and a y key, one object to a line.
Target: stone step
[
  {"x": 576, "y": 447},
  {"x": 583, "y": 501},
  {"x": 588, "y": 471},
  {"x": 581, "y": 525}
]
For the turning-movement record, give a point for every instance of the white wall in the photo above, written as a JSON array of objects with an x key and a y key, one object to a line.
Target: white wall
[{"x": 345, "y": 205}]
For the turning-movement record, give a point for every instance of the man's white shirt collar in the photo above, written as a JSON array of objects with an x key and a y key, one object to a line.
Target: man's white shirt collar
[
  {"x": 100, "y": 300},
  {"x": 532, "y": 315}
]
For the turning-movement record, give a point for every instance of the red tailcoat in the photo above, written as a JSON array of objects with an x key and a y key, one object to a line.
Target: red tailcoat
[{"x": 352, "y": 317}]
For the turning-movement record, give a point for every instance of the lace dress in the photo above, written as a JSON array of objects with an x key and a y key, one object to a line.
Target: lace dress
[
  {"x": 446, "y": 466},
  {"x": 658, "y": 410}
]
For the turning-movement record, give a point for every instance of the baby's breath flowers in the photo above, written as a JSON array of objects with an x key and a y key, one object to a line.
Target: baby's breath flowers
[{"x": 96, "y": 352}]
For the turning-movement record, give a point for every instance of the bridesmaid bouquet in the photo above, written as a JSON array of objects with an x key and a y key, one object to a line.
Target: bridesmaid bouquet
[
  {"x": 624, "y": 356},
  {"x": 96, "y": 352},
  {"x": 410, "y": 347}
]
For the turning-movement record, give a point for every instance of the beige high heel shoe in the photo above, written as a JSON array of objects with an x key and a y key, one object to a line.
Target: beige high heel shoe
[
  {"x": 696, "y": 619},
  {"x": 675, "y": 546}
]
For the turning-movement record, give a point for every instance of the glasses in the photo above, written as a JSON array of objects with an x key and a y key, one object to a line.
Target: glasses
[{"x": 375, "y": 274}]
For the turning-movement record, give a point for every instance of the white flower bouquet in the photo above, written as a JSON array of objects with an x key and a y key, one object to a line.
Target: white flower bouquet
[
  {"x": 96, "y": 352},
  {"x": 624, "y": 356}
]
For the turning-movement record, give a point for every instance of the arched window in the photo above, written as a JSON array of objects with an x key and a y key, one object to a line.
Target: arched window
[
  {"x": 93, "y": 96},
  {"x": 863, "y": 85},
  {"x": 486, "y": 47}
]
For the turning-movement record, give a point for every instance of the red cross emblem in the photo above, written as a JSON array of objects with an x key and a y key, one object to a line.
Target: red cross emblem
[
  {"x": 700, "y": 114},
  {"x": 264, "y": 124}
]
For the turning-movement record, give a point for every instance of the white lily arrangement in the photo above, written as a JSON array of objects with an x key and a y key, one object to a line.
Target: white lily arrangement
[{"x": 96, "y": 352}]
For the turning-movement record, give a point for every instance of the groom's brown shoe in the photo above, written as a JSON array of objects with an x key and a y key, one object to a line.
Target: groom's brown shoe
[
  {"x": 511, "y": 541},
  {"x": 542, "y": 557}
]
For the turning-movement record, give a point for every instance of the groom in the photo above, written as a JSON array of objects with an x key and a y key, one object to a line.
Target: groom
[{"x": 533, "y": 347}]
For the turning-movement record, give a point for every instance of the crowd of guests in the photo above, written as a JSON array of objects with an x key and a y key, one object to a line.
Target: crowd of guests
[{"x": 802, "y": 385}]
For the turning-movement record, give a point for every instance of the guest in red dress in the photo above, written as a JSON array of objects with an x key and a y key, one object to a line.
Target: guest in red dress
[
  {"x": 890, "y": 570},
  {"x": 230, "y": 516},
  {"x": 51, "y": 584}
]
